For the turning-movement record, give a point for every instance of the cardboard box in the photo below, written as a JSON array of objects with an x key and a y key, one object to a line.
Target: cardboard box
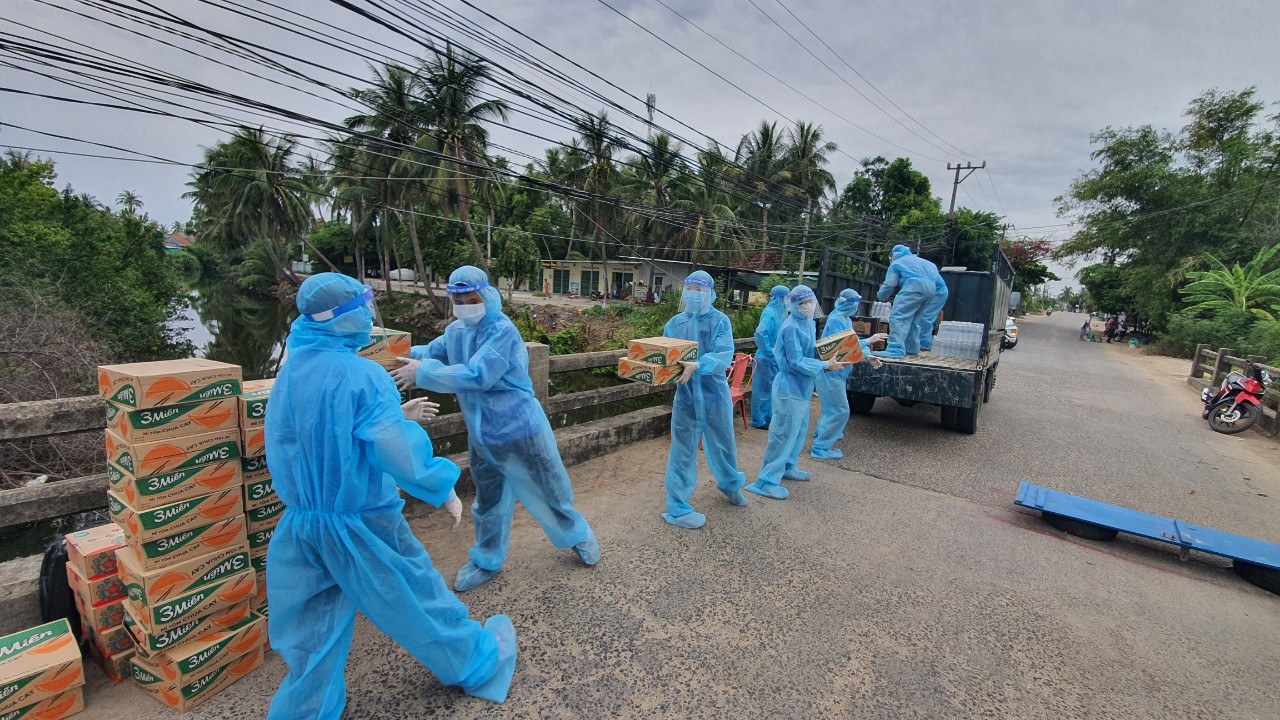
[
  {"x": 93, "y": 552},
  {"x": 157, "y": 457},
  {"x": 253, "y": 441},
  {"x": 102, "y": 617},
  {"x": 260, "y": 597},
  {"x": 95, "y": 592},
  {"x": 149, "y": 645},
  {"x": 189, "y": 544},
  {"x": 864, "y": 327},
  {"x": 116, "y": 666},
  {"x": 138, "y": 386},
  {"x": 166, "y": 520},
  {"x": 259, "y": 564},
  {"x": 385, "y": 345},
  {"x": 113, "y": 640},
  {"x": 265, "y": 517},
  {"x": 253, "y": 402},
  {"x": 259, "y": 540},
  {"x": 185, "y": 662},
  {"x": 648, "y": 373},
  {"x": 842, "y": 346},
  {"x": 55, "y": 708},
  {"x": 160, "y": 617},
  {"x": 146, "y": 587},
  {"x": 172, "y": 421},
  {"x": 38, "y": 663},
  {"x": 183, "y": 697},
  {"x": 154, "y": 491},
  {"x": 254, "y": 468},
  {"x": 259, "y": 492},
  {"x": 662, "y": 350}
]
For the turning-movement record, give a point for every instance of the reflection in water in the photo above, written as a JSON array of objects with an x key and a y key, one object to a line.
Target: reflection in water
[{"x": 234, "y": 327}]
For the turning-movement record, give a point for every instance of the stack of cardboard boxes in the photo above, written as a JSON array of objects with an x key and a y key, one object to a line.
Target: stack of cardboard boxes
[
  {"x": 173, "y": 450},
  {"x": 656, "y": 361},
  {"x": 262, "y": 506},
  {"x": 41, "y": 673},
  {"x": 93, "y": 574}
]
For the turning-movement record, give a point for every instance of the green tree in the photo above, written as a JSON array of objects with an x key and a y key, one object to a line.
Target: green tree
[
  {"x": 129, "y": 201},
  {"x": 1246, "y": 289},
  {"x": 763, "y": 169}
]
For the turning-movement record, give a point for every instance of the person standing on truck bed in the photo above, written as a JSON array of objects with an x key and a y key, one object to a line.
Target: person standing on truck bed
[
  {"x": 924, "y": 326},
  {"x": 909, "y": 275}
]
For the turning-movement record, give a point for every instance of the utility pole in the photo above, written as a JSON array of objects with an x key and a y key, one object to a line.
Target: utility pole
[
  {"x": 951, "y": 213},
  {"x": 804, "y": 239}
]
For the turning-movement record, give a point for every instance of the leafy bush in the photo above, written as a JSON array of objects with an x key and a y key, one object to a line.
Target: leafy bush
[{"x": 1231, "y": 328}]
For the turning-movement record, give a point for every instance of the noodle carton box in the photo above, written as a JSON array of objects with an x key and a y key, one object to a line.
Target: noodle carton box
[
  {"x": 662, "y": 350},
  {"x": 188, "y": 544},
  {"x": 254, "y": 468},
  {"x": 648, "y": 373},
  {"x": 253, "y": 402},
  {"x": 259, "y": 540},
  {"x": 185, "y": 662},
  {"x": 156, "y": 457},
  {"x": 102, "y": 618},
  {"x": 137, "y": 386},
  {"x": 259, "y": 493},
  {"x": 116, "y": 666},
  {"x": 55, "y": 708},
  {"x": 166, "y": 520},
  {"x": 93, "y": 552},
  {"x": 182, "y": 696},
  {"x": 176, "y": 611},
  {"x": 253, "y": 441},
  {"x": 144, "y": 493},
  {"x": 842, "y": 347},
  {"x": 264, "y": 517},
  {"x": 863, "y": 327},
  {"x": 112, "y": 641},
  {"x": 385, "y": 345},
  {"x": 173, "y": 420},
  {"x": 151, "y": 645},
  {"x": 38, "y": 664},
  {"x": 148, "y": 587},
  {"x": 95, "y": 592}
]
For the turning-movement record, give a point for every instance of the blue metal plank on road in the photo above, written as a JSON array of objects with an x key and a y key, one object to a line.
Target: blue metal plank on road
[{"x": 1153, "y": 527}]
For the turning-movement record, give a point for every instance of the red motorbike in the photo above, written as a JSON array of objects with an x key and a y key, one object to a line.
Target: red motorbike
[{"x": 1237, "y": 405}]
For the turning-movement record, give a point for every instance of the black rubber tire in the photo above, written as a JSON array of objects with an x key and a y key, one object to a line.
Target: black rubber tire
[
  {"x": 967, "y": 418},
  {"x": 948, "y": 417},
  {"x": 1079, "y": 528},
  {"x": 1264, "y": 577},
  {"x": 1250, "y": 411},
  {"x": 861, "y": 403}
]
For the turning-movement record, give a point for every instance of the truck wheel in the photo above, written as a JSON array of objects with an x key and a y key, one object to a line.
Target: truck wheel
[
  {"x": 1260, "y": 575},
  {"x": 1079, "y": 528},
  {"x": 967, "y": 418},
  {"x": 860, "y": 403},
  {"x": 949, "y": 417},
  {"x": 991, "y": 381}
]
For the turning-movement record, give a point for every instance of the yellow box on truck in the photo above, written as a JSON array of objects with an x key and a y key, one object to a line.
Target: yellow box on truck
[{"x": 138, "y": 386}]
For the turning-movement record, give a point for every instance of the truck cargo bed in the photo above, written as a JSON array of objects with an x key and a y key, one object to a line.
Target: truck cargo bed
[{"x": 938, "y": 361}]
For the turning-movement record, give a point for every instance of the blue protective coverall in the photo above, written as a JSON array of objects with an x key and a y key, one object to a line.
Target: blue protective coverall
[
  {"x": 702, "y": 411},
  {"x": 908, "y": 273},
  {"x": 766, "y": 368},
  {"x": 831, "y": 385},
  {"x": 798, "y": 366},
  {"x": 930, "y": 315},
  {"x": 338, "y": 446},
  {"x": 510, "y": 443}
]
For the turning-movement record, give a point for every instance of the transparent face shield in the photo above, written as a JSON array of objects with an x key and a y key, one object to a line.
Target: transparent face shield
[
  {"x": 848, "y": 305},
  {"x": 466, "y": 302},
  {"x": 696, "y": 297},
  {"x": 363, "y": 300},
  {"x": 805, "y": 304}
]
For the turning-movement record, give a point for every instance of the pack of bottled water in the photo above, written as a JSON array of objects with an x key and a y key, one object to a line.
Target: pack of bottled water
[
  {"x": 881, "y": 310},
  {"x": 959, "y": 340}
]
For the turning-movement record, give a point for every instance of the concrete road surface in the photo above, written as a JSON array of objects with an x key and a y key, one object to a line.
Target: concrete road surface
[{"x": 899, "y": 583}]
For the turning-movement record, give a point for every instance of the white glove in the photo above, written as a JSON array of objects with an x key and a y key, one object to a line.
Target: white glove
[
  {"x": 835, "y": 366},
  {"x": 875, "y": 362},
  {"x": 878, "y": 337},
  {"x": 406, "y": 376},
  {"x": 453, "y": 506},
  {"x": 690, "y": 368},
  {"x": 420, "y": 410}
]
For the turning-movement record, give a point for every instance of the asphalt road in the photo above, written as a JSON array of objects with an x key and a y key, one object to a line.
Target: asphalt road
[{"x": 900, "y": 583}]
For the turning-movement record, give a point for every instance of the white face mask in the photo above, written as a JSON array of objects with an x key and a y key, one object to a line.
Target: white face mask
[
  {"x": 807, "y": 308},
  {"x": 469, "y": 314}
]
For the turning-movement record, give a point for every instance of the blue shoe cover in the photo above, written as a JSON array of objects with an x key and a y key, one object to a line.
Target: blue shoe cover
[
  {"x": 795, "y": 474},
  {"x": 736, "y": 497},
  {"x": 832, "y": 454},
  {"x": 887, "y": 355},
  {"x": 775, "y": 492},
  {"x": 496, "y": 687},
  {"x": 691, "y": 521},
  {"x": 588, "y": 551},
  {"x": 471, "y": 577}
]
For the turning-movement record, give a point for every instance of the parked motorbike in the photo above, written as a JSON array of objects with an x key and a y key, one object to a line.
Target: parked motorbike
[
  {"x": 1237, "y": 405},
  {"x": 597, "y": 295}
]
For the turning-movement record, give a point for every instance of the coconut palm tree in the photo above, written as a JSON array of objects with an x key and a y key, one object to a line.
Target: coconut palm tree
[
  {"x": 129, "y": 202},
  {"x": 764, "y": 171},
  {"x": 705, "y": 198},
  {"x": 655, "y": 179}
]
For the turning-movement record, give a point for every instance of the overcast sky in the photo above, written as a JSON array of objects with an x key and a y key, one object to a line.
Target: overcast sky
[{"x": 1018, "y": 84}]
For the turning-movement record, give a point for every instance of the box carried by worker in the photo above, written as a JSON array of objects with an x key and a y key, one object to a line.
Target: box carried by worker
[
  {"x": 38, "y": 664},
  {"x": 385, "y": 345},
  {"x": 662, "y": 350},
  {"x": 648, "y": 373},
  {"x": 841, "y": 347},
  {"x": 137, "y": 386}
]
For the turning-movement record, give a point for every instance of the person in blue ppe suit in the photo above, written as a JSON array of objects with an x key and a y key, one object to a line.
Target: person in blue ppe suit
[
  {"x": 482, "y": 359},
  {"x": 338, "y": 445},
  {"x": 930, "y": 315},
  {"x": 798, "y": 366},
  {"x": 702, "y": 409},
  {"x": 908, "y": 274},
  {"x": 766, "y": 369},
  {"x": 831, "y": 386}
]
